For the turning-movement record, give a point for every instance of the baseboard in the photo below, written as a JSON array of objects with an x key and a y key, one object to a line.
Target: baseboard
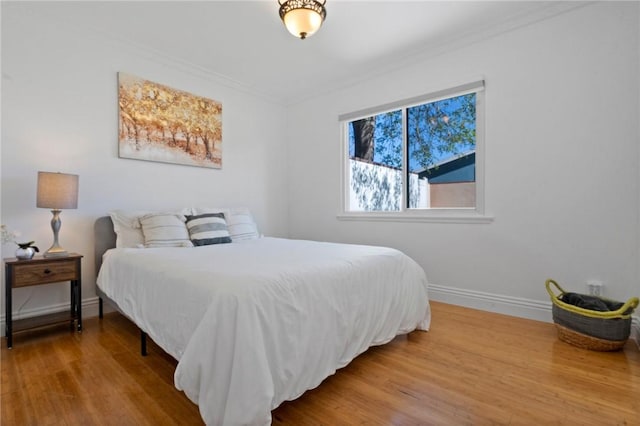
[
  {"x": 498, "y": 303},
  {"x": 635, "y": 329},
  {"x": 89, "y": 309}
]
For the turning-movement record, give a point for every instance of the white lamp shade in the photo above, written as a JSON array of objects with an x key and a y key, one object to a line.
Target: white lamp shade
[
  {"x": 302, "y": 22},
  {"x": 57, "y": 191}
]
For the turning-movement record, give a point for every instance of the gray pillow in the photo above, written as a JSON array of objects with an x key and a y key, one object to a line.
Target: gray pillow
[{"x": 209, "y": 228}]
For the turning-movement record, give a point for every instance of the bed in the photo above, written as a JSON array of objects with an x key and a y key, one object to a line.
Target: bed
[{"x": 259, "y": 321}]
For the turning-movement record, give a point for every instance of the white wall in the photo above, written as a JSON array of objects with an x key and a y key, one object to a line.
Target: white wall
[
  {"x": 636, "y": 326},
  {"x": 562, "y": 141},
  {"x": 562, "y": 157},
  {"x": 59, "y": 113}
]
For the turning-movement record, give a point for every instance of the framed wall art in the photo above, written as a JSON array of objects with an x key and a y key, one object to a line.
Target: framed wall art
[{"x": 158, "y": 123}]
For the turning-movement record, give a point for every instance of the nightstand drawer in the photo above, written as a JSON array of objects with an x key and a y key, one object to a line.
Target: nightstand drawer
[{"x": 44, "y": 272}]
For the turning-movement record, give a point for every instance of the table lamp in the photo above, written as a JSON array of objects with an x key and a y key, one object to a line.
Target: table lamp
[{"x": 57, "y": 191}]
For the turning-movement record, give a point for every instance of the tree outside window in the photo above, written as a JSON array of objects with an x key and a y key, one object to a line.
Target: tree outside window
[{"x": 439, "y": 139}]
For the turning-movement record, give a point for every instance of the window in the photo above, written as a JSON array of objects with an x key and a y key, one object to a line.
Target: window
[{"x": 418, "y": 157}]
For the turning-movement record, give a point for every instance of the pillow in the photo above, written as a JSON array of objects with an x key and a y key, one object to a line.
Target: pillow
[
  {"x": 241, "y": 225},
  {"x": 127, "y": 228},
  {"x": 239, "y": 221},
  {"x": 164, "y": 230},
  {"x": 207, "y": 229},
  {"x": 126, "y": 225}
]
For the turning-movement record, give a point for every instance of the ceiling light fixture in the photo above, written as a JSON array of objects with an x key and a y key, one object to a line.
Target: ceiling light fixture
[{"x": 302, "y": 17}]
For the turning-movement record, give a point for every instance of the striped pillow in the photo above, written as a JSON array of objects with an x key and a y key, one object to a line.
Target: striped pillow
[
  {"x": 242, "y": 225},
  {"x": 164, "y": 230},
  {"x": 239, "y": 221},
  {"x": 209, "y": 228}
]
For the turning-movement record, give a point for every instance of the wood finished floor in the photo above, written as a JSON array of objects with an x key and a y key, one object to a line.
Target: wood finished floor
[{"x": 472, "y": 368}]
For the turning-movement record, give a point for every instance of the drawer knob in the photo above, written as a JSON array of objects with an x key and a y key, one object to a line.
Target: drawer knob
[{"x": 47, "y": 271}]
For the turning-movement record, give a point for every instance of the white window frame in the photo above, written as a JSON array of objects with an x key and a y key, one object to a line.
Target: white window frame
[{"x": 442, "y": 215}]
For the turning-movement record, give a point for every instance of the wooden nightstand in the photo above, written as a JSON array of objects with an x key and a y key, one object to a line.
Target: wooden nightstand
[{"x": 38, "y": 271}]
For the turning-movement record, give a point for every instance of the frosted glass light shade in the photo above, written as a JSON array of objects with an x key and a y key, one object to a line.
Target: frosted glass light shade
[
  {"x": 302, "y": 22},
  {"x": 302, "y": 18},
  {"x": 57, "y": 191}
]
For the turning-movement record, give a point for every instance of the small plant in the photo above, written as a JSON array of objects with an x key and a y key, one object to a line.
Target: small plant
[
  {"x": 25, "y": 246},
  {"x": 7, "y": 236}
]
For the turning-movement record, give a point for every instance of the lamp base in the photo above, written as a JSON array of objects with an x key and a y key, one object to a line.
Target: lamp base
[{"x": 56, "y": 252}]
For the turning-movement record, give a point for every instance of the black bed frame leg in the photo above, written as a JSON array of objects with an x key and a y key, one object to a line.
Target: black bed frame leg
[
  {"x": 100, "y": 308},
  {"x": 143, "y": 343}
]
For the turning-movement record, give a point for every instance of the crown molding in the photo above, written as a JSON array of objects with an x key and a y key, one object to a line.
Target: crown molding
[
  {"x": 157, "y": 56},
  {"x": 384, "y": 66},
  {"x": 428, "y": 52}
]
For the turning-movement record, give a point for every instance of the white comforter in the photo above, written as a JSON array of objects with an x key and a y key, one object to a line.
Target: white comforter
[{"x": 259, "y": 322}]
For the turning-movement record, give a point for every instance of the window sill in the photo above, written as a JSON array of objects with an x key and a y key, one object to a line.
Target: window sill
[{"x": 432, "y": 217}]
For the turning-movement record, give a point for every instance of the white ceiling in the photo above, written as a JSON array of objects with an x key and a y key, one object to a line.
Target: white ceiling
[{"x": 245, "y": 43}]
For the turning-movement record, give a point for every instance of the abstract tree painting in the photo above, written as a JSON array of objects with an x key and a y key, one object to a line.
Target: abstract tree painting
[{"x": 158, "y": 123}]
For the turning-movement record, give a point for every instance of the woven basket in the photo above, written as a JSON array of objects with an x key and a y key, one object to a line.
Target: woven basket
[
  {"x": 595, "y": 330},
  {"x": 587, "y": 342}
]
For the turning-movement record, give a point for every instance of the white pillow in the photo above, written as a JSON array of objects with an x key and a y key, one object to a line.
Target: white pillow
[
  {"x": 126, "y": 225},
  {"x": 241, "y": 225},
  {"x": 165, "y": 230},
  {"x": 127, "y": 228},
  {"x": 239, "y": 221}
]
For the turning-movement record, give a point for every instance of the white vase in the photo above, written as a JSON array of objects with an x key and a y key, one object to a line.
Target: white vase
[{"x": 25, "y": 253}]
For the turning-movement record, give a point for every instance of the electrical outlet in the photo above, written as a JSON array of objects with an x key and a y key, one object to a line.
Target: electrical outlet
[{"x": 595, "y": 287}]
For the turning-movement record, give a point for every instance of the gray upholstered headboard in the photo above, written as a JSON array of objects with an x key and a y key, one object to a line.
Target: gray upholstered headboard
[{"x": 105, "y": 238}]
